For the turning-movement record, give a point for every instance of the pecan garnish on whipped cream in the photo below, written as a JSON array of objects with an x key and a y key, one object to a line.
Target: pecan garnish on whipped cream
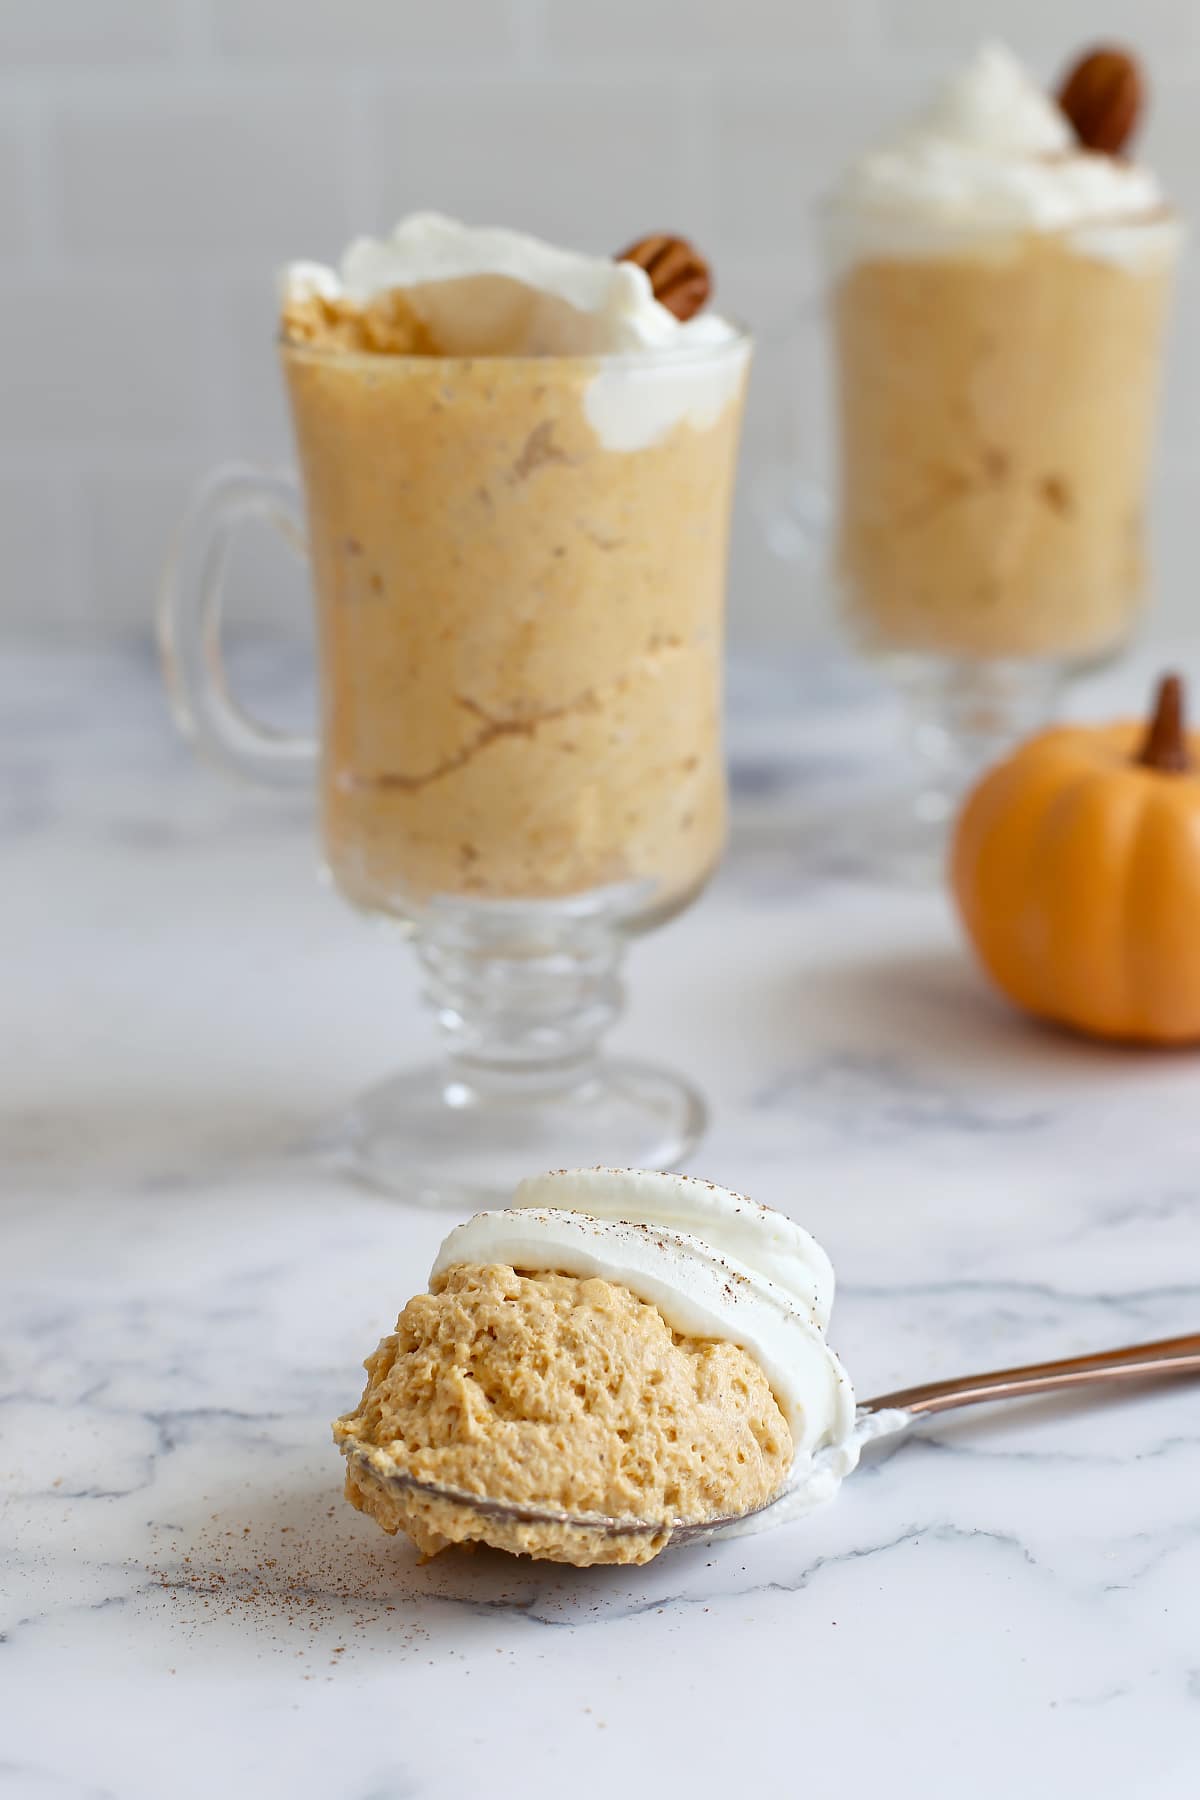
[
  {"x": 678, "y": 273},
  {"x": 1103, "y": 95}
]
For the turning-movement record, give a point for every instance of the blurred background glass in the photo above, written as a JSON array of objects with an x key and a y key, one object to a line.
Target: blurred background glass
[{"x": 160, "y": 158}]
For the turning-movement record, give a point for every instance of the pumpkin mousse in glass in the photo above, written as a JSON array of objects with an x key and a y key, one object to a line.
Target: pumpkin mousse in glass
[
  {"x": 516, "y": 475},
  {"x": 999, "y": 297},
  {"x": 615, "y": 1355},
  {"x": 518, "y": 469}
]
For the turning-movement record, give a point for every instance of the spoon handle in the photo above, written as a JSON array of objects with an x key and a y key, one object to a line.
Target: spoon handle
[{"x": 1170, "y": 1356}]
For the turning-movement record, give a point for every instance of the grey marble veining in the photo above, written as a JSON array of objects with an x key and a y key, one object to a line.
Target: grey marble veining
[{"x": 1000, "y": 1604}]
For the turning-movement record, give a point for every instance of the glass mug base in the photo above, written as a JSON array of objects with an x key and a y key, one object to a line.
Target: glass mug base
[
  {"x": 524, "y": 994},
  {"x": 460, "y": 1137}
]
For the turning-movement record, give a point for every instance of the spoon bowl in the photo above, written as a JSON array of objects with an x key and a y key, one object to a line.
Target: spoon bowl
[
  {"x": 681, "y": 1531},
  {"x": 883, "y": 1416}
]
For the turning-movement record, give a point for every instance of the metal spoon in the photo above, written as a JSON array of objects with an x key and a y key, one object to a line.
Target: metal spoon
[{"x": 1137, "y": 1362}]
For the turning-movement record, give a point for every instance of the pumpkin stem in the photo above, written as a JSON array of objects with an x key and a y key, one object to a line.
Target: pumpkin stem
[{"x": 1165, "y": 745}]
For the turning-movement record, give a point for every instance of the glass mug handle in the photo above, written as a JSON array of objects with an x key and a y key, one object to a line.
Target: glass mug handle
[
  {"x": 189, "y": 626},
  {"x": 792, "y": 501}
]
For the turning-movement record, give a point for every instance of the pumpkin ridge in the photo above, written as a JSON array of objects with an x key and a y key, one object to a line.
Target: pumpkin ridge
[
  {"x": 993, "y": 849},
  {"x": 1048, "y": 883},
  {"x": 1163, "y": 933},
  {"x": 1123, "y": 802}
]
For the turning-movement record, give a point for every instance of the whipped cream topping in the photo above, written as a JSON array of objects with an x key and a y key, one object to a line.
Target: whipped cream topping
[
  {"x": 991, "y": 156},
  {"x": 754, "y": 1236},
  {"x": 492, "y": 292},
  {"x": 715, "y": 1265},
  {"x": 486, "y": 291}
]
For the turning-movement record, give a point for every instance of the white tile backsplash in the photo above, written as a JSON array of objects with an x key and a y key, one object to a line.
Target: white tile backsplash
[
  {"x": 1171, "y": 141},
  {"x": 34, "y": 534},
  {"x": 158, "y": 158},
  {"x": 357, "y": 33},
  {"x": 253, "y": 405},
  {"x": 1174, "y": 599},
  {"x": 180, "y": 179},
  {"x": 1048, "y": 32},
  {"x": 1181, "y": 399},
  {"x": 99, "y": 365},
  {"x": 589, "y": 161},
  {"x": 700, "y": 34},
  {"x": 86, "y": 33},
  {"x": 16, "y": 197},
  {"x": 767, "y": 174}
]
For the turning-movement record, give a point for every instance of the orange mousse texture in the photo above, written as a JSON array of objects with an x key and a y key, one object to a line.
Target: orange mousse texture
[
  {"x": 562, "y": 1394},
  {"x": 520, "y": 629},
  {"x": 996, "y": 423}
]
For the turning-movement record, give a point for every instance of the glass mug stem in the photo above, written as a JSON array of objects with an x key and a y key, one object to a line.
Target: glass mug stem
[
  {"x": 522, "y": 996},
  {"x": 963, "y": 715}
]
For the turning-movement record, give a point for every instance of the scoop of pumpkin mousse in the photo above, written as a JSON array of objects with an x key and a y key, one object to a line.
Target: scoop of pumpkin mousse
[{"x": 617, "y": 1346}]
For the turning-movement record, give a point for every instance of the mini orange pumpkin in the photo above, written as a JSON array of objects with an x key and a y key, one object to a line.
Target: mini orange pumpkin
[{"x": 1076, "y": 867}]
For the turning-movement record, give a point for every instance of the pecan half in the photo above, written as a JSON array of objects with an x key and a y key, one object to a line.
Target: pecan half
[
  {"x": 1102, "y": 96},
  {"x": 678, "y": 273}
]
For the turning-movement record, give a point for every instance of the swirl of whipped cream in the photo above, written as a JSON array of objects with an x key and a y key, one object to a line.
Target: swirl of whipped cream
[
  {"x": 713, "y": 1263},
  {"x": 488, "y": 291},
  {"x": 993, "y": 155},
  {"x": 755, "y": 1236},
  {"x": 491, "y": 292}
]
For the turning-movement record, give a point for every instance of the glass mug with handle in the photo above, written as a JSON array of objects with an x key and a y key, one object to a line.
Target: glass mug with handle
[{"x": 519, "y": 566}]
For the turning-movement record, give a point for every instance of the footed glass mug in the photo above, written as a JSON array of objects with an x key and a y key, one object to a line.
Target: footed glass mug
[
  {"x": 995, "y": 398},
  {"x": 519, "y": 573}
]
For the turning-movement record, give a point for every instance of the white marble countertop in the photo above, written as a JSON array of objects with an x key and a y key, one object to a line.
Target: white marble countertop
[{"x": 1006, "y": 1603}]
